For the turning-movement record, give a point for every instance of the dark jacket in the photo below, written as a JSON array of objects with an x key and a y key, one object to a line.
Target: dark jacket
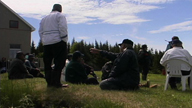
[
  {"x": 125, "y": 67},
  {"x": 17, "y": 70},
  {"x": 75, "y": 72},
  {"x": 144, "y": 58}
]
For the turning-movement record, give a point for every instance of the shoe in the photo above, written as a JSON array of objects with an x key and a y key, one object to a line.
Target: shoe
[{"x": 64, "y": 85}]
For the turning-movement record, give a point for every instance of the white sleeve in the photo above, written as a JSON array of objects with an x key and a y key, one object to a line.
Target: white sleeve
[
  {"x": 63, "y": 28},
  {"x": 163, "y": 59},
  {"x": 189, "y": 57},
  {"x": 40, "y": 30}
]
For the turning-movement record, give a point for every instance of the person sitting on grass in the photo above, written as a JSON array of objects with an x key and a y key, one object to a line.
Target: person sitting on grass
[
  {"x": 17, "y": 69},
  {"x": 76, "y": 72},
  {"x": 89, "y": 70},
  {"x": 32, "y": 68},
  {"x": 125, "y": 72}
]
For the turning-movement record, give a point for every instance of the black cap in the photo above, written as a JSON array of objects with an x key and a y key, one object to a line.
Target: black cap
[
  {"x": 127, "y": 41},
  {"x": 144, "y": 46},
  {"x": 175, "y": 37},
  {"x": 76, "y": 55},
  {"x": 57, "y": 7},
  {"x": 176, "y": 41}
]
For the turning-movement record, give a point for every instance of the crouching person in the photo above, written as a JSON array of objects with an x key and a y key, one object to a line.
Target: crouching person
[
  {"x": 76, "y": 72},
  {"x": 17, "y": 69},
  {"x": 124, "y": 74}
]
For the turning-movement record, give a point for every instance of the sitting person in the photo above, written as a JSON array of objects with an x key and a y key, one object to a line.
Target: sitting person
[
  {"x": 17, "y": 69},
  {"x": 76, "y": 72},
  {"x": 3, "y": 65},
  {"x": 88, "y": 69},
  {"x": 32, "y": 68},
  {"x": 69, "y": 58},
  {"x": 124, "y": 74},
  {"x": 177, "y": 52}
]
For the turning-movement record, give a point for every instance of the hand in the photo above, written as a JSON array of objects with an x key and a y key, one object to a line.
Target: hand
[{"x": 95, "y": 51}]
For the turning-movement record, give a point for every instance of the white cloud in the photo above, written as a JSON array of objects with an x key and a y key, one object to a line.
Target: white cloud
[
  {"x": 151, "y": 1},
  {"x": 88, "y": 11},
  {"x": 184, "y": 26},
  {"x": 83, "y": 37}
]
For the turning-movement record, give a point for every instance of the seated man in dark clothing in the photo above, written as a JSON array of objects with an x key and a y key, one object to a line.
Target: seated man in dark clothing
[
  {"x": 32, "y": 68},
  {"x": 125, "y": 72},
  {"x": 17, "y": 69},
  {"x": 76, "y": 72}
]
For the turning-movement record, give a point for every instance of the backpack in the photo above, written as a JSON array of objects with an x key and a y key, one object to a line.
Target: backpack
[{"x": 106, "y": 69}]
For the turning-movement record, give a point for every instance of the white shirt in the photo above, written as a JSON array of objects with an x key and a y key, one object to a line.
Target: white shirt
[
  {"x": 53, "y": 28},
  {"x": 178, "y": 53}
]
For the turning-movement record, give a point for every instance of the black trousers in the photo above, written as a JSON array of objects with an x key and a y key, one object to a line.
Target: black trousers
[
  {"x": 54, "y": 53},
  {"x": 174, "y": 80}
]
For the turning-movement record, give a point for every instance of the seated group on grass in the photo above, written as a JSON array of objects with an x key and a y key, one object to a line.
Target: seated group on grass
[
  {"x": 18, "y": 69},
  {"x": 121, "y": 73}
]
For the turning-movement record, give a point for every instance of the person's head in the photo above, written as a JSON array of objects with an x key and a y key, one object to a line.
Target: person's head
[
  {"x": 20, "y": 55},
  {"x": 175, "y": 37},
  {"x": 31, "y": 57},
  {"x": 57, "y": 7},
  {"x": 77, "y": 56},
  {"x": 144, "y": 47},
  {"x": 176, "y": 43},
  {"x": 126, "y": 44}
]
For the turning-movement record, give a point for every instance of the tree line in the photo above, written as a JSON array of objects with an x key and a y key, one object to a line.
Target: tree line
[{"x": 96, "y": 60}]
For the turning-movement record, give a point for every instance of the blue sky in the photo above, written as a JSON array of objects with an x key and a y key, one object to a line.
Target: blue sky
[{"x": 148, "y": 22}]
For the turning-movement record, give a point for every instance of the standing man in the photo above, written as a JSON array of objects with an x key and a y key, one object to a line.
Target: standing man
[
  {"x": 124, "y": 74},
  {"x": 54, "y": 36},
  {"x": 144, "y": 60}
]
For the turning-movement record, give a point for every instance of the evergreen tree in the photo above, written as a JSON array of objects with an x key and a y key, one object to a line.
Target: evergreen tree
[
  {"x": 33, "y": 50},
  {"x": 96, "y": 44},
  {"x": 73, "y": 41}
]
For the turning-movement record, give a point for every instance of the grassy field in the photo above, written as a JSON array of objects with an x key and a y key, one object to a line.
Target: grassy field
[{"x": 33, "y": 93}]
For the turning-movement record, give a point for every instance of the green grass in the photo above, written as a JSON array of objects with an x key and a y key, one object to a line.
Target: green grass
[{"x": 28, "y": 93}]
